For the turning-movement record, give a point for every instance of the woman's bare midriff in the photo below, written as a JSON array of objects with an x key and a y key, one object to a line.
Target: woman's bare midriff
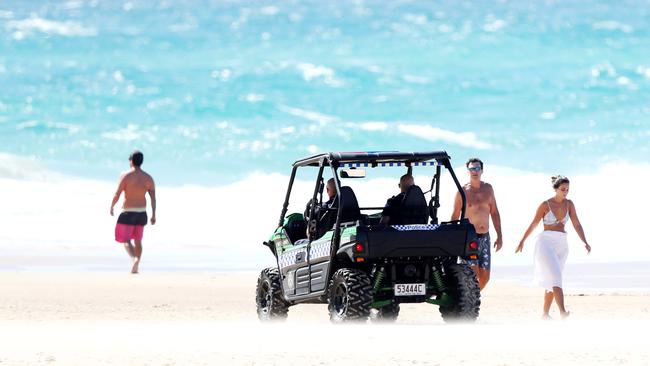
[{"x": 559, "y": 228}]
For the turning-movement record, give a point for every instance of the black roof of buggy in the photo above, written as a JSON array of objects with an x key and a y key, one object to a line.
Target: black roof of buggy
[{"x": 374, "y": 158}]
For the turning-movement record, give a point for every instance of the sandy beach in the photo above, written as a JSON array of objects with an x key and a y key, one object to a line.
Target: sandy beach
[{"x": 166, "y": 318}]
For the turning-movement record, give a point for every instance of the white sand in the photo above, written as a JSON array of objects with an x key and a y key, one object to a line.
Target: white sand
[{"x": 209, "y": 319}]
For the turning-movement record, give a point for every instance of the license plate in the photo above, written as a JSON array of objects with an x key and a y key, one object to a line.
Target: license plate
[{"x": 410, "y": 289}]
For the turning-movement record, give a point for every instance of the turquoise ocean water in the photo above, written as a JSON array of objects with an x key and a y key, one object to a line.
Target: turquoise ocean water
[{"x": 212, "y": 90}]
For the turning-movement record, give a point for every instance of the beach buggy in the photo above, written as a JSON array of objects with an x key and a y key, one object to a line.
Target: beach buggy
[{"x": 360, "y": 267}]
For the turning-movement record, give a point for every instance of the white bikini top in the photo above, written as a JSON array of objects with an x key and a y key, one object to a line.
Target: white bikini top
[{"x": 550, "y": 219}]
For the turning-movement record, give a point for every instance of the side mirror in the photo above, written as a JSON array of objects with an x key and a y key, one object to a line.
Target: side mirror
[{"x": 353, "y": 173}]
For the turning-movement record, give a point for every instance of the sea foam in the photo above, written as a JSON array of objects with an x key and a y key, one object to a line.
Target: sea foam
[{"x": 224, "y": 225}]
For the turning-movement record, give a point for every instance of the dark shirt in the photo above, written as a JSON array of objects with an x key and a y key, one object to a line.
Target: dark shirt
[
  {"x": 320, "y": 209},
  {"x": 392, "y": 209},
  {"x": 324, "y": 215}
]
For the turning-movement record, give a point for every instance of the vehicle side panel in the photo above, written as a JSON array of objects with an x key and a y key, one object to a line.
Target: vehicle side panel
[
  {"x": 319, "y": 260},
  {"x": 318, "y": 276},
  {"x": 302, "y": 281}
]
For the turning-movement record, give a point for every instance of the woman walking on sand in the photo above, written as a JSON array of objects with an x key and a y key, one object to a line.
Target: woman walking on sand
[{"x": 551, "y": 249}]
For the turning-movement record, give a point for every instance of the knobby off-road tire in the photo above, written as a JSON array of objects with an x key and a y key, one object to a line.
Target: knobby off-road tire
[
  {"x": 462, "y": 286},
  {"x": 386, "y": 314},
  {"x": 268, "y": 296},
  {"x": 349, "y": 296}
]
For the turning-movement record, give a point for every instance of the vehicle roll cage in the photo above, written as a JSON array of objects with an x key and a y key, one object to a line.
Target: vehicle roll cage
[{"x": 334, "y": 160}]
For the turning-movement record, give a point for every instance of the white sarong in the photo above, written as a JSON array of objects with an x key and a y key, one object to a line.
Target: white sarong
[{"x": 551, "y": 251}]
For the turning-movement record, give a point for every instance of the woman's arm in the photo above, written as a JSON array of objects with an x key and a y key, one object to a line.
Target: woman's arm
[
  {"x": 577, "y": 226},
  {"x": 538, "y": 217}
]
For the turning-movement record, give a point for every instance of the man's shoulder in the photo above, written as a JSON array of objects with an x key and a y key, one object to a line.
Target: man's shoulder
[
  {"x": 126, "y": 174},
  {"x": 396, "y": 199},
  {"x": 137, "y": 177},
  {"x": 487, "y": 186},
  {"x": 143, "y": 174}
]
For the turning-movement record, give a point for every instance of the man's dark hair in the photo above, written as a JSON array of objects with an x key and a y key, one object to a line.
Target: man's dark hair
[
  {"x": 136, "y": 158},
  {"x": 474, "y": 160}
]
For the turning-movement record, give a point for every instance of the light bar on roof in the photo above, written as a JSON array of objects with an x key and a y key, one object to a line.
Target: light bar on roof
[{"x": 389, "y": 164}]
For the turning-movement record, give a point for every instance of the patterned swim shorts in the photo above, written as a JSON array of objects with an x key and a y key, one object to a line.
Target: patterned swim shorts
[{"x": 484, "y": 260}]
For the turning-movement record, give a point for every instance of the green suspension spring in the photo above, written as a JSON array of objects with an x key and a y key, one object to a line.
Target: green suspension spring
[
  {"x": 380, "y": 277},
  {"x": 437, "y": 279}
]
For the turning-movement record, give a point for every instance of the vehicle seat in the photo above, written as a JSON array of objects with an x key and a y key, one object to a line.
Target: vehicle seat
[
  {"x": 296, "y": 227},
  {"x": 414, "y": 208},
  {"x": 349, "y": 205}
]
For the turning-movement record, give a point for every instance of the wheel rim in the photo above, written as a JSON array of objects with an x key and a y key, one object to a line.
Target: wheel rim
[{"x": 340, "y": 300}]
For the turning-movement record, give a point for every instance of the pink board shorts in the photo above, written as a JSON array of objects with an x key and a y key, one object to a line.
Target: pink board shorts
[
  {"x": 130, "y": 226},
  {"x": 125, "y": 233}
]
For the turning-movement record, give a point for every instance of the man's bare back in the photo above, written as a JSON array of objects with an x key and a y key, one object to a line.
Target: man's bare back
[{"x": 135, "y": 184}]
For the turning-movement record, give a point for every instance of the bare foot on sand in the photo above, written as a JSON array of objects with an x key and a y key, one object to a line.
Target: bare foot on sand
[
  {"x": 565, "y": 315},
  {"x": 136, "y": 264},
  {"x": 546, "y": 317}
]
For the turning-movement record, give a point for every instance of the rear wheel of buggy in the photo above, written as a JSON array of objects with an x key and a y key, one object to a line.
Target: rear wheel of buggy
[
  {"x": 349, "y": 296},
  {"x": 465, "y": 294},
  {"x": 388, "y": 313},
  {"x": 268, "y": 296}
]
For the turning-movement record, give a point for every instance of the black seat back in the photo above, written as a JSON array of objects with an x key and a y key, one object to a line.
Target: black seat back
[
  {"x": 414, "y": 208},
  {"x": 295, "y": 227},
  {"x": 349, "y": 205}
]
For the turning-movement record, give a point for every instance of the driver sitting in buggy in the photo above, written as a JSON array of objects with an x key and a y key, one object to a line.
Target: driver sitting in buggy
[{"x": 324, "y": 216}]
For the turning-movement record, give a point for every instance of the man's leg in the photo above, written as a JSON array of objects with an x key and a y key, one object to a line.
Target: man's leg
[
  {"x": 137, "y": 254},
  {"x": 483, "y": 276},
  {"x": 484, "y": 262},
  {"x": 129, "y": 249}
]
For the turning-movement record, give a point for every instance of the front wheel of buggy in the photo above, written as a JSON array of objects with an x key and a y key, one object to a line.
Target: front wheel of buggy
[
  {"x": 464, "y": 294},
  {"x": 268, "y": 296},
  {"x": 349, "y": 296}
]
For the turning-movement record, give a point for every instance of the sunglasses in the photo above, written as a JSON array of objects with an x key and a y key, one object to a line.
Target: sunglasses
[{"x": 474, "y": 169}]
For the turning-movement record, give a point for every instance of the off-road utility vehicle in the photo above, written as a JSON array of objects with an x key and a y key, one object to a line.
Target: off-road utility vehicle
[{"x": 361, "y": 268}]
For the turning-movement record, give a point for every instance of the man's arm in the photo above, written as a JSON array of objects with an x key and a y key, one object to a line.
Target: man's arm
[
  {"x": 120, "y": 189},
  {"x": 496, "y": 220},
  {"x": 152, "y": 194},
  {"x": 458, "y": 203},
  {"x": 385, "y": 214}
]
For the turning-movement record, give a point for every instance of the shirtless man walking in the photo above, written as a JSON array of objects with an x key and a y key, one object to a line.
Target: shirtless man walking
[
  {"x": 135, "y": 183},
  {"x": 481, "y": 205}
]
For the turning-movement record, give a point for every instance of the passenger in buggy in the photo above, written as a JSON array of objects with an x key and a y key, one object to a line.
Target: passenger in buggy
[{"x": 392, "y": 214}]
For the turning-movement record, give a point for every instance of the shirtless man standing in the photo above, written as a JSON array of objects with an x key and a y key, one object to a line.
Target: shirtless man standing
[
  {"x": 481, "y": 205},
  {"x": 130, "y": 224}
]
